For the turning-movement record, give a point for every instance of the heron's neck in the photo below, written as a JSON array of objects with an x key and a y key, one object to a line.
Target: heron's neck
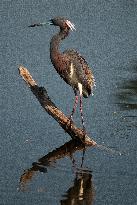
[{"x": 55, "y": 42}]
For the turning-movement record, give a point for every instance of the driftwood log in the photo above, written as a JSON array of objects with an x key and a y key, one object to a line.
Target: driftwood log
[{"x": 42, "y": 96}]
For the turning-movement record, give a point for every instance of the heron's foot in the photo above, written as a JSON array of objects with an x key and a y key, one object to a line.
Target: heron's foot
[
  {"x": 71, "y": 118},
  {"x": 69, "y": 123}
]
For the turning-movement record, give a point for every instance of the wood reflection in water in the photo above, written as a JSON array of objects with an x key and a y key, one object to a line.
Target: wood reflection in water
[{"x": 82, "y": 189}]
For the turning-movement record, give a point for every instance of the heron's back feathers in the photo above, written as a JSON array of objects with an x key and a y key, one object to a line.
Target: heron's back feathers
[{"x": 78, "y": 71}]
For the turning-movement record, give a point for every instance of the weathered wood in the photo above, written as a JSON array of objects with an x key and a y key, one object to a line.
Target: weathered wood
[{"x": 42, "y": 96}]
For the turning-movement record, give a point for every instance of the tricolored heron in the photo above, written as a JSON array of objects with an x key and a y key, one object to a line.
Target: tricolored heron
[{"x": 70, "y": 65}]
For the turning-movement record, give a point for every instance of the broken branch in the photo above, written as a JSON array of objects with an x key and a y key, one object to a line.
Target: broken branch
[{"x": 42, "y": 96}]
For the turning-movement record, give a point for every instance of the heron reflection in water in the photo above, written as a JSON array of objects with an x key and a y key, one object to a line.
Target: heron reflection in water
[{"x": 80, "y": 192}]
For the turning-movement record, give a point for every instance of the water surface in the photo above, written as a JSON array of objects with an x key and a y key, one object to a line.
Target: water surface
[{"x": 37, "y": 166}]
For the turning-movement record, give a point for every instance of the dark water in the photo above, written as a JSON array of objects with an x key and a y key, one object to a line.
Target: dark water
[{"x": 39, "y": 163}]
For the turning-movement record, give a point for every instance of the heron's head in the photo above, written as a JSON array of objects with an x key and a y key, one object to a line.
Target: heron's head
[
  {"x": 62, "y": 23},
  {"x": 57, "y": 21}
]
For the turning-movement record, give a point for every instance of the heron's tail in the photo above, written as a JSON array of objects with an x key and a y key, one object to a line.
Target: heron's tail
[{"x": 86, "y": 92}]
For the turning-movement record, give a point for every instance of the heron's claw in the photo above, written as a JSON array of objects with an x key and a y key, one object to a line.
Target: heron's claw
[
  {"x": 71, "y": 118},
  {"x": 69, "y": 123}
]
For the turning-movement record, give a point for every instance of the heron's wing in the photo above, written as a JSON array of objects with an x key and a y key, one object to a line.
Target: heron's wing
[{"x": 82, "y": 72}]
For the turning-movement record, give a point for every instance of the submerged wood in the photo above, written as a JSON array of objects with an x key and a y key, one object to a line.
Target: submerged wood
[{"x": 42, "y": 96}]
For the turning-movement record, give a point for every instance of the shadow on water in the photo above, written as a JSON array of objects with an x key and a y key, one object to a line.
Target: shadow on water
[
  {"x": 82, "y": 189},
  {"x": 127, "y": 91}
]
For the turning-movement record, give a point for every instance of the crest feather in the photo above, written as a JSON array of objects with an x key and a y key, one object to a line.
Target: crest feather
[{"x": 70, "y": 25}]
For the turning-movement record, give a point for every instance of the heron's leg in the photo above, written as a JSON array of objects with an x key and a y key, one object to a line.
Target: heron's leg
[
  {"x": 81, "y": 112},
  {"x": 75, "y": 104},
  {"x": 83, "y": 155},
  {"x": 74, "y": 109},
  {"x": 73, "y": 162}
]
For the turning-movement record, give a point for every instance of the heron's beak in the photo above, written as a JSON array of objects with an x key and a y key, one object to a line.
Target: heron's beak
[{"x": 41, "y": 24}]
